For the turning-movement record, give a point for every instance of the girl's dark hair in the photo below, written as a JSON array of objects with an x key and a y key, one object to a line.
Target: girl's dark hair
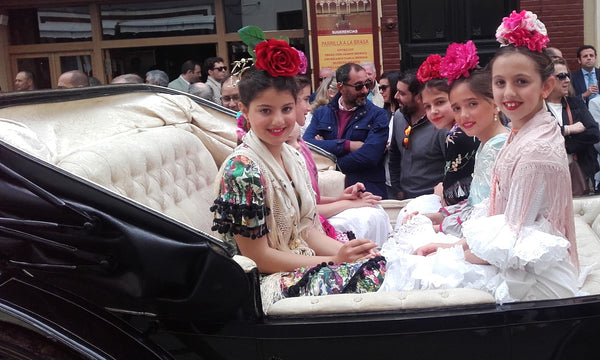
[
  {"x": 302, "y": 81},
  {"x": 255, "y": 81},
  {"x": 479, "y": 81},
  {"x": 409, "y": 77},
  {"x": 438, "y": 84},
  {"x": 543, "y": 63},
  {"x": 392, "y": 77}
]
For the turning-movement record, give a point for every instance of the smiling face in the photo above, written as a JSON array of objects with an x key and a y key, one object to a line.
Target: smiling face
[
  {"x": 406, "y": 100},
  {"x": 437, "y": 107},
  {"x": 474, "y": 114},
  {"x": 272, "y": 116},
  {"x": 518, "y": 87}
]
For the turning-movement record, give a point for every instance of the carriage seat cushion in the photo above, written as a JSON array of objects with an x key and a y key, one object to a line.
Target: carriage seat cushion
[{"x": 166, "y": 168}]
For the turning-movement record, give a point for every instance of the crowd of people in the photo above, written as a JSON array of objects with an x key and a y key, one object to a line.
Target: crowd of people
[
  {"x": 486, "y": 155},
  {"x": 219, "y": 87}
]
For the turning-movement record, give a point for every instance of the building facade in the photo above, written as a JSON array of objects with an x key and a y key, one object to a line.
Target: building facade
[{"x": 106, "y": 38}]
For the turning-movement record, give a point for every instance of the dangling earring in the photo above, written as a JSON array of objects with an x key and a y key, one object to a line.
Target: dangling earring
[{"x": 495, "y": 117}]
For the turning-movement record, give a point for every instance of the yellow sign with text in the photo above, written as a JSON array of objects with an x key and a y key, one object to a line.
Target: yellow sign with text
[{"x": 336, "y": 50}]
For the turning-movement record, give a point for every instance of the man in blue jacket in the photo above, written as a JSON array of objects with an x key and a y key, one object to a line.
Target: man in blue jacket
[
  {"x": 354, "y": 130},
  {"x": 585, "y": 80}
]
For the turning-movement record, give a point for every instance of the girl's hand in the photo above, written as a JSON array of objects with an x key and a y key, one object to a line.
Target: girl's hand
[
  {"x": 355, "y": 250},
  {"x": 431, "y": 248},
  {"x": 410, "y": 216}
]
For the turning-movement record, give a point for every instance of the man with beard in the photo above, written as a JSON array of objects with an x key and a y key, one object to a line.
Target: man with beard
[
  {"x": 354, "y": 130},
  {"x": 417, "y": 150}
]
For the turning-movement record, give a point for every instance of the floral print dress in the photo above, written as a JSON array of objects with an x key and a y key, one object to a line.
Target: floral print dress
[
  {"x": 242, "y": 208},
  {"x": 460, "y": 163}
]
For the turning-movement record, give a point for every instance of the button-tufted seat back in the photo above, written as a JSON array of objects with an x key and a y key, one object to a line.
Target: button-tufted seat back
[{"x": 160, "y": 151}]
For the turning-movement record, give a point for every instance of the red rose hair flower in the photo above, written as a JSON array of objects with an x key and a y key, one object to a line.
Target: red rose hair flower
[
  {"x": 277, "y": 58},
  {"x": 460, "y": 59},
  {"x": 430, "y": 69}
]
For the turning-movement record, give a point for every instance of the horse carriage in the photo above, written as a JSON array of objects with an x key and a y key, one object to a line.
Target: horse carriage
[{"x": 106, "y": 252}]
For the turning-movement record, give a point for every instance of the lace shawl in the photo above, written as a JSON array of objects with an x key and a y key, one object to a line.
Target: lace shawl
[
  {"x": 287, "y": 194},
  {"x": 532, "y": 181}
]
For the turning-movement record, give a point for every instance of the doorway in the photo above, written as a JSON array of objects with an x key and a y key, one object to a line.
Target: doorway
[{"x": 428, "y": 26}]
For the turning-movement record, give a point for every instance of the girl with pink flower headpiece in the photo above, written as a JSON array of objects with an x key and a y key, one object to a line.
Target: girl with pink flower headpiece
[{"x": 525, "y": 234}]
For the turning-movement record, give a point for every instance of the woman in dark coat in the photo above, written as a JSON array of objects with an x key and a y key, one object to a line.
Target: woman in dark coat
[{"x": 577, "y": 124}]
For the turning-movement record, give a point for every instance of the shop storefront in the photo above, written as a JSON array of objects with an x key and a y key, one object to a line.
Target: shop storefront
[
  {"x": 106, "y": 38},
  {"x": 109, "y": 38}
]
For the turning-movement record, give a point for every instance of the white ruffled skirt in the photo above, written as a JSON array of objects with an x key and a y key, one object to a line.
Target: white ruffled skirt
[{"x": 532, "y": 265}]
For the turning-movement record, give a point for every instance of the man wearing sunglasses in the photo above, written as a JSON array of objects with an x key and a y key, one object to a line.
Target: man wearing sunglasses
[
  {"x": 216, "y": 71},
  {"x": 354, "y": 130}
]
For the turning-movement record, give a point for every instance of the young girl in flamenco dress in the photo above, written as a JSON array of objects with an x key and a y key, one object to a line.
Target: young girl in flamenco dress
[
  {"x": 528, "y": 235},
  {"x": 265, "y": 201},
  {"x": 524, "y": 236}
]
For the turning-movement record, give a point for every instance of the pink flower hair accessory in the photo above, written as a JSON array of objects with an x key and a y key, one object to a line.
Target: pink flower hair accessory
[
  {"x": 303, "y": 62},
  {"x": 460, "y": 59},
  {"x": 523, "y": 29},
  {"x": 430, "y": 69}
]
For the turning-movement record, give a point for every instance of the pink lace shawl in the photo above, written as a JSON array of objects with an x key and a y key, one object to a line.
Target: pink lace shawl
[
  {"x": 532, "y": 181},
  {"x": 312, "y": 168}
]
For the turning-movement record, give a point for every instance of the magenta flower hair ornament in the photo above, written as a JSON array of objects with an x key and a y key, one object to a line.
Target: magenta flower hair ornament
[
  {"x": 460, "y": 59},
  {"x": 523, "y": 29}
]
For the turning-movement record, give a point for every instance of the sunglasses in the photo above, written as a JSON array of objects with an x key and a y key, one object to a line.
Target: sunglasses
[
  {"x": 562, "y": 76},
  {"x": 407, "y": 131},
  {"x": 359, "y": 87},
  {"x": 383, "y": 87},
  {"x": 220, "y": 68}
]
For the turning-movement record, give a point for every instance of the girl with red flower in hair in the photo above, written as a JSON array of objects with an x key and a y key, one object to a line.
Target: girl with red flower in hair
[{"x": 265, "y": 202}]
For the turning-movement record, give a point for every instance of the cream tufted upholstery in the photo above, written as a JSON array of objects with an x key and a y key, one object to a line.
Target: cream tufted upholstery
[
  {"x": 587, "y": 231},
  {"x": 350, "y": 303},
  {"x": 163, "y": 152},
  {"x": 166, "y": 169}
]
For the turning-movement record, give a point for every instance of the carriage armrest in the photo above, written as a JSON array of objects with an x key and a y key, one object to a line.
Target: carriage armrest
[{"x": 245, "y": 263}]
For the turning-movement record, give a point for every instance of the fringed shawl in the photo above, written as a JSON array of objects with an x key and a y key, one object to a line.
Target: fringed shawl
[
  {"x": 532, "y": 180},
  {"x": 288, "y": 197}
]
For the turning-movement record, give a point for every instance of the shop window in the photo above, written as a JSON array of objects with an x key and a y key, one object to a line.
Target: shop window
[
  {"x": 39, "y": 67},
  {"x": 157, "y": 19},
  {"x": 264, "y": 14},
  {"x": 166, "y": 58},
  {"x": 238, "y": 50},
  {"x": 49, "y": 25}
]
